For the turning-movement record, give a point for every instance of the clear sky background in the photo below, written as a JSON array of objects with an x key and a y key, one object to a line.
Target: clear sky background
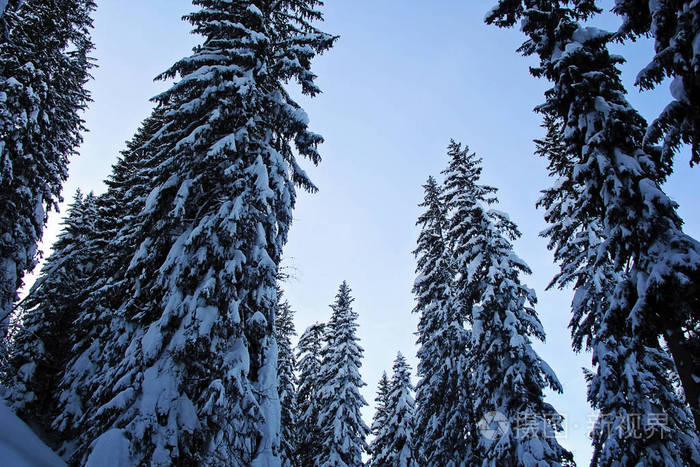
[{"x": 404, "y": 78}]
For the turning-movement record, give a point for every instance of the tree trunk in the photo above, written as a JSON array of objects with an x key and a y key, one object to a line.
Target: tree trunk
[{"x": 685, "y": 351}]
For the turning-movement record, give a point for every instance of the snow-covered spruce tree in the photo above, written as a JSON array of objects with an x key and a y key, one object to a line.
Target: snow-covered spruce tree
[
  {"x": 43, "y": 69},
  {"x": 343, "y": 431},
  {"x": 616, "y": 179},
  {"x": 286, "y": 367},
  {"x": 308, "y": 405},
  {"x": 592, "y": 295},
  {"x": 378, "y": 448},
  {"x": 43, "y": 343},
  {"x": 641, "y": 418},
  {"x": 444, "y": 417},
  {"x": 629, "y": 379},
  {"x": 460, "y": 195},
  {"x": 675, "y": 26},
  {"x": 118, "y": 221},
  {"x": 508, "y": 375},
  {"x": 196, "y": 382},
  {"x": 398, "y": 429},
  {"x": 98, "y": 322}
]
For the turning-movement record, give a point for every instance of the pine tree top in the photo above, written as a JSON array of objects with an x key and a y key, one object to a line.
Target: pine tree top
[
  {"x": 343, "y": 431},
  {"x": 383, "y": 388}
]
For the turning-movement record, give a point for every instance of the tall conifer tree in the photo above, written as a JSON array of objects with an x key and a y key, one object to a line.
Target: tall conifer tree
[
  {"x": 98, "y": 322},
  {"x": 629, "y": 379},
  {"x": 615, "y": 181},
  {"x": 44, "y": 340},
  {"x": 343, "y": 431},
  {"x": 194, "y": 377},
  {"x": 379, "y": 445},
  {"x": 398, "y": 428},
  {"x": 509, "y": 377},
  {"x": 308, "y": 403},
  {"x": 444, "y": 417},
  {"x": 286, "y": 368},
  {"x": 43, "y": 70}
]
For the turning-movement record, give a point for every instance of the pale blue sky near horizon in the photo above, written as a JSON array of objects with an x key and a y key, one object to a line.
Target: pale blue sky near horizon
[{"x": 404, "y": 78}]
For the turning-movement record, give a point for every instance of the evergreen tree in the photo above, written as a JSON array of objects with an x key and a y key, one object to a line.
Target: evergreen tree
[
  {"x": 675, "y": 26},
  {"x": 378, "y": 448},
  {"x": 114, "y": 244},
  {"x": 615, "y": 187},
  {"x": 622, "y": 366},
  {"x": 191, "y": 377},
  {"x": 308, "y": 404},
  {"x": 42, "y": 344},
  {"x": 343, "y": 431},
  {"x": 286, "y": 367},
  {"x": 398, "y": 428},
  {"x": 592, "y": 296},
  {"x": 444, "y": 419},
  {"x": 127, "y": 189},
  {"x": 43, "y": 69},
  {"x": 641, "y": 418},
  {"x": 508, "y": 376}
]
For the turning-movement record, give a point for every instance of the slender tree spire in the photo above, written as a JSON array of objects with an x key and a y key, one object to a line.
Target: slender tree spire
[
  {"x": 443, "y": 396},
  {"x": 308, "y": 401},
  {"x": 286, "y": 368},
  {"x": 43, "y": 341},
  {"x": 378, "y": 448},
  {"x": 343, "y": 431},
  {"x": 398, "y": 428},
  {"x": 508, "y": 377}
]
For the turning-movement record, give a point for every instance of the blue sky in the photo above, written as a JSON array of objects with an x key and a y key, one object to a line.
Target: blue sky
[{"x": 404, "y": 78}]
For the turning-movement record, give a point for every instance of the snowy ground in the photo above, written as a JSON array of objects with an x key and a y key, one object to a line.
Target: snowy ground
[{"x": 19, "y": 446}]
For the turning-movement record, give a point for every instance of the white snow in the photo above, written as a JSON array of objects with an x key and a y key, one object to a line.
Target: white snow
[
  {"x": 269, "y": 406},
  {"x": 207, "y": 316},
  {"x": 586, "y": 34},
  {"x": 255, "y": 10},
  {"x": 259, "y": 319},
  {"x": 677, "y": 89},
  {"x": 181, "y": 198},
  {"x": 227, "y": 143},
  {"x": 19, "y": 446},
  {"x": 300, "y": 116},
  {"x": 153, "y": 196},
  {"x": 111, "y": 449},
  {"x": 152, "y": 342}
]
